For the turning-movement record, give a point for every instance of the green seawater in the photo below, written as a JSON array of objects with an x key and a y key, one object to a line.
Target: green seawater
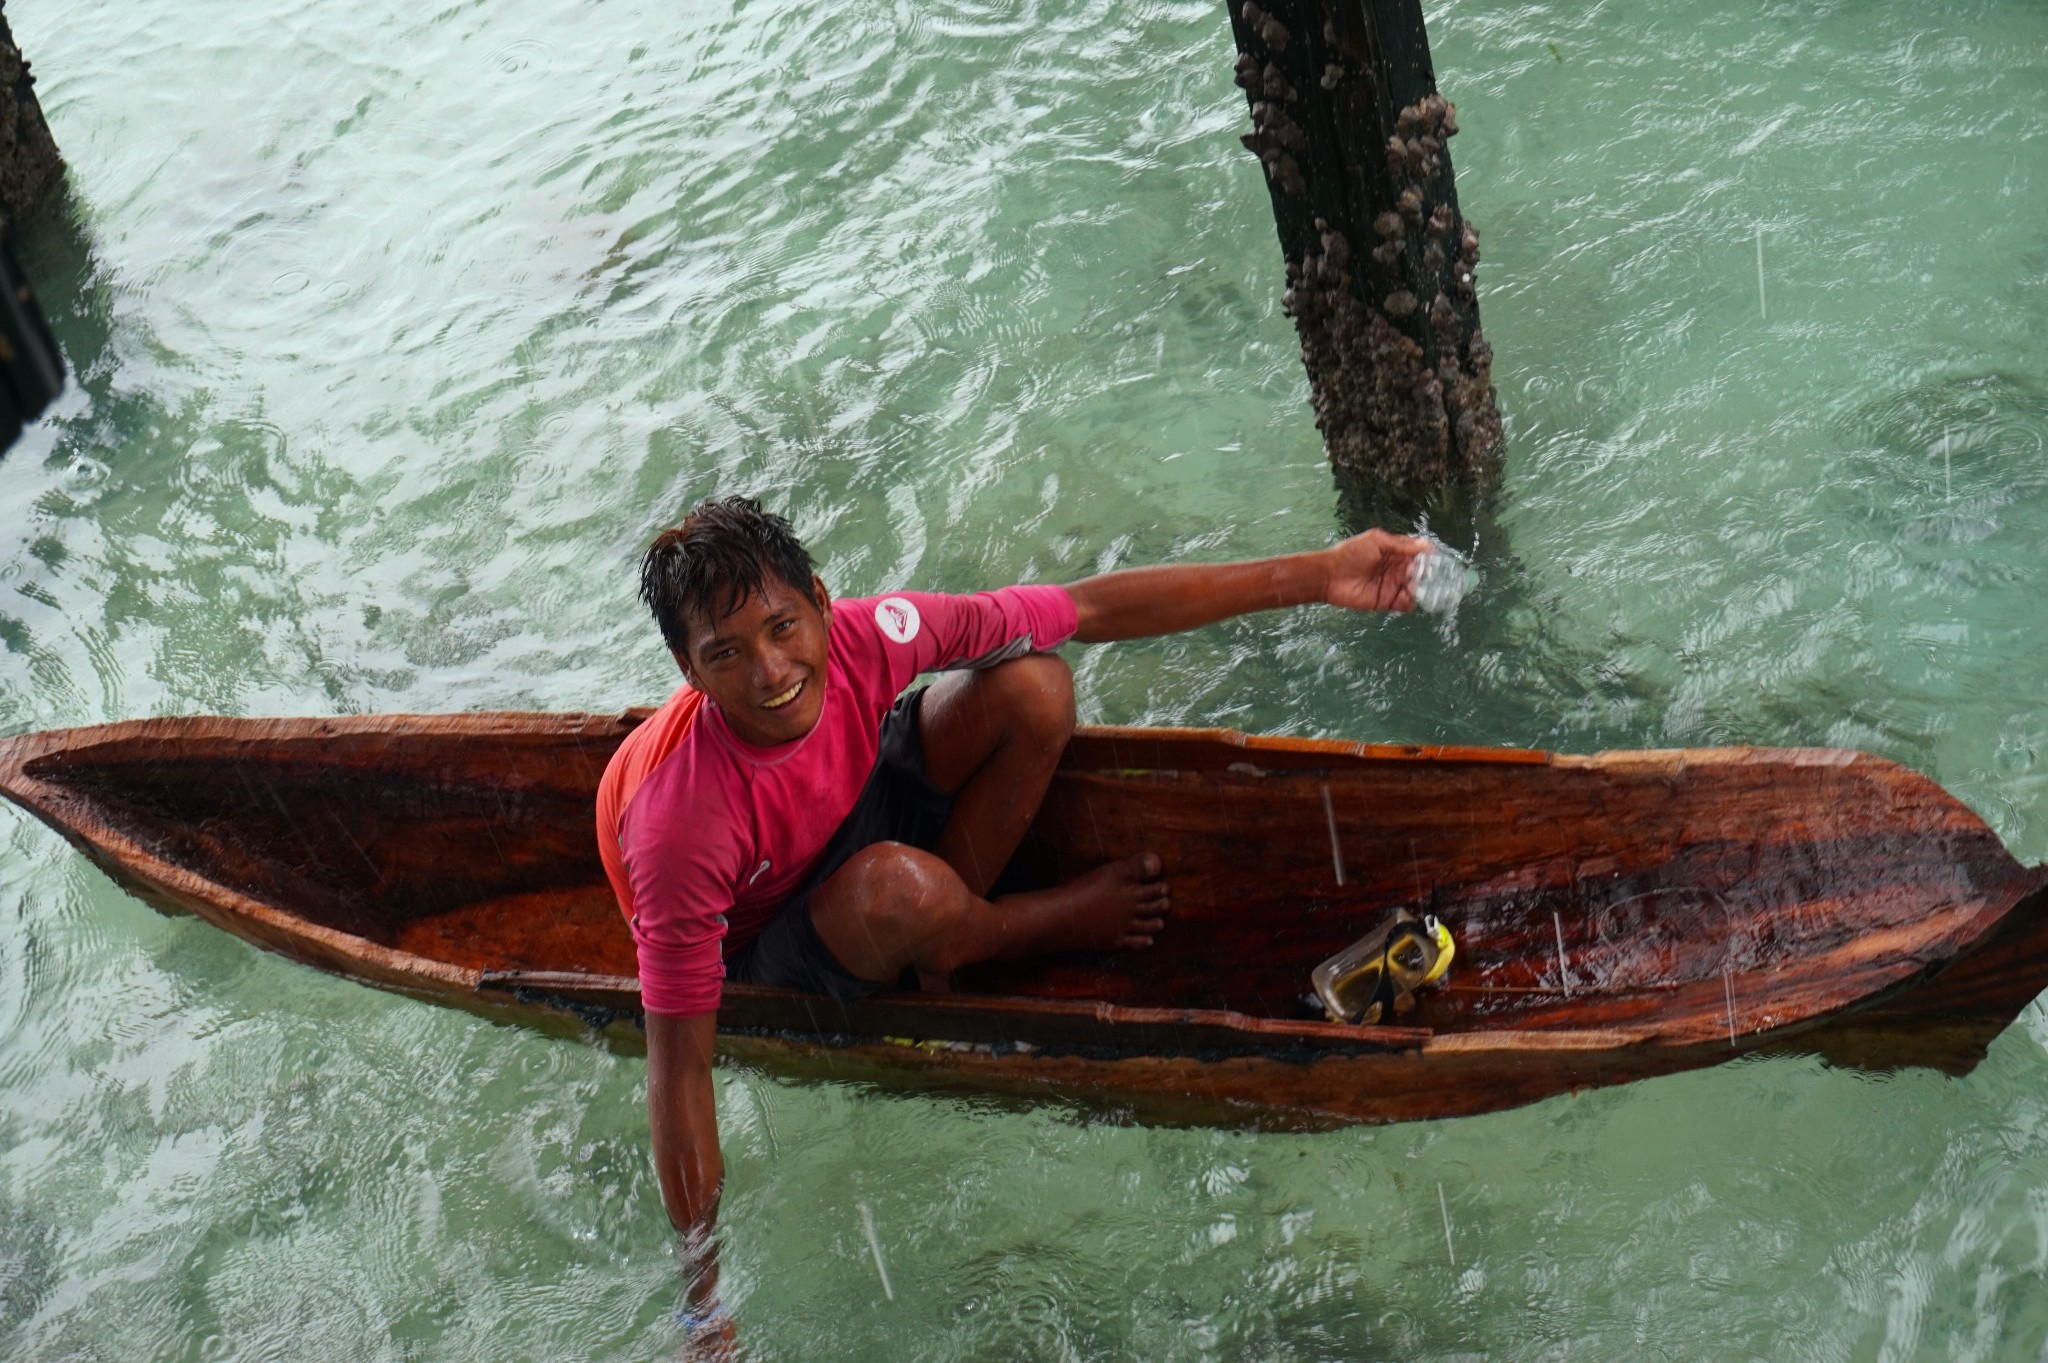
[{"x": 398, "y": 329}]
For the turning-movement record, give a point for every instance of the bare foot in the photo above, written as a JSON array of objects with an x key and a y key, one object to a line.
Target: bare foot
[{"x": 1115, "y": 907}]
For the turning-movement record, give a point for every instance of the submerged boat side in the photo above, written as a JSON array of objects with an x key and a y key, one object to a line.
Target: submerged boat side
[{"x": 452, "y": 857}]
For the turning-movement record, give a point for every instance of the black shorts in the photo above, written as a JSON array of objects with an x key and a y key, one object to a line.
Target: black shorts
[{"x": 898, "y": 804}]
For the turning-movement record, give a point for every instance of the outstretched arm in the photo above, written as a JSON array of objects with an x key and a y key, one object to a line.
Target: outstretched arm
[
  {"x": 1365, "y": 572},
  {"x": 683, "y": 1120}
]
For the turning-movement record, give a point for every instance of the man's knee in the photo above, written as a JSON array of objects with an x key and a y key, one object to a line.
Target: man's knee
[
  {"x": 894, "y": 882},
  {"x": 1038, "y": 693}
]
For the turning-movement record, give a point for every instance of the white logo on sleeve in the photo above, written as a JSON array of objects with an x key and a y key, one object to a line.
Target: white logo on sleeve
[{"x": 897, "y": 618}]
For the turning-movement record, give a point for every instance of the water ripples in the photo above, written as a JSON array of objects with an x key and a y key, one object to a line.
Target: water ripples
[{"x": 390, "y": 360}]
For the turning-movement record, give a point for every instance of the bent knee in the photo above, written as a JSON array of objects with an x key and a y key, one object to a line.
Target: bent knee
[
  {"x": 1038, "y": 690},
  {"x": 896, "y": 880}
]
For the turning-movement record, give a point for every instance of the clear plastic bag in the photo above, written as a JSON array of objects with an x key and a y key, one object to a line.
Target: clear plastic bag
[{"x": 1440, "y": 578}]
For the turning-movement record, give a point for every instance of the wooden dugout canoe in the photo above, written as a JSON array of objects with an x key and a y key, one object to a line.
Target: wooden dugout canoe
[{"x": 1617, "y": 916}]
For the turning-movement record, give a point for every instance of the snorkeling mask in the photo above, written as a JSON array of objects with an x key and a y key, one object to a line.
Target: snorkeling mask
[{"x": 1377, "y": 976}]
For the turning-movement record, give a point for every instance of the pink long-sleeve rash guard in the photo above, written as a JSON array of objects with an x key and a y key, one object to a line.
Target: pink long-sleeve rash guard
[{"x": 719, "y": 832}]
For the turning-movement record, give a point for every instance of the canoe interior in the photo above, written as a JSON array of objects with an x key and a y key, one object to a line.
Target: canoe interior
[
  {"x": 482, "y": 855},
  {"x": 1665, "y": 895}
]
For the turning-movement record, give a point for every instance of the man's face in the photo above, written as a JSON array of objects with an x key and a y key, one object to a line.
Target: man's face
[{"x": 765, "y": 663}]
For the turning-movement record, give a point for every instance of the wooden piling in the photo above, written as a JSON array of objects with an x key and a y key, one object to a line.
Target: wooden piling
[
  {"x": 30, "y": 167},
  {"x": 31, "y": 367},
  {"x": 1354, "y": 140}
]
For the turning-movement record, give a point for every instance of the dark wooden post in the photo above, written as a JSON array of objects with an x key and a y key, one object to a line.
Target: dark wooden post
[
  {"x": 29, "y": 164},
  {"x": 31, "y": 369},
  {"x": 1353, "y": 136}
]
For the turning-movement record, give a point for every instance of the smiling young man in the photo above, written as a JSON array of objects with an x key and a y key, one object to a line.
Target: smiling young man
[{"x": 792, "y": 816}]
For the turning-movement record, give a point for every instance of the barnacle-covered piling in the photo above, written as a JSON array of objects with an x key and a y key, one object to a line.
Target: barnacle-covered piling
[
  {"x": 31, "y": 369},
  {"x": 29, "y": 164},
  {"x": 1381, "y": 266}
]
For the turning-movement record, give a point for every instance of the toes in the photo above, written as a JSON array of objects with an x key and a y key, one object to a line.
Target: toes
[
  {"x": 1134, "y": 942},
  {"x": 1147, "y": 925},
  {"x": 1148, "y": 864}
]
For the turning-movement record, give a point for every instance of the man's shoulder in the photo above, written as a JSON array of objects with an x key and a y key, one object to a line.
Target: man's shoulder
[
  {"x": 863, "y": 627},
  {"x": 687, "y": 770},
  {"x": 685, "y": 818},
  {"x": 685, "y": 795},
  {"x": 872, "y": 623},
  {"x": 870, "y": 616},
  {"x": 643, "y": 751}
]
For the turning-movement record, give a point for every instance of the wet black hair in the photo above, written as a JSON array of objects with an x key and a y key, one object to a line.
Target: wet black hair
[{"x": 722, "y": 553}]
